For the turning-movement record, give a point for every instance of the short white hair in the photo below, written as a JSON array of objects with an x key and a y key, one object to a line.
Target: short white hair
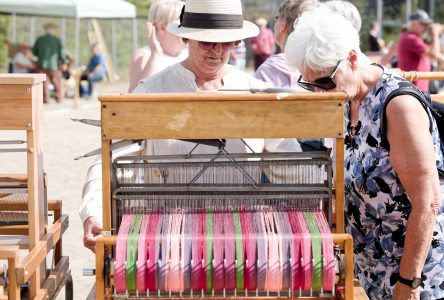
[
  {"x": 320, "y": 39},
  {"x": 348, "y": 10},
  {"x": 165, "y": 11}
]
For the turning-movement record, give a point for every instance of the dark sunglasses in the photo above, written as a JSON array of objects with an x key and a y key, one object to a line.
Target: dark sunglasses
[
  {"x": 324, "y": 83},
  {"x": 211, "y": 45}
]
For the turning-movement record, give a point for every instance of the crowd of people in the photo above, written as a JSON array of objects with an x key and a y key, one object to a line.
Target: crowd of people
[
  {"x": 419, "y": 48},
  {"x": 393, "y": 205},
  {"x": 49, "y": 56}
]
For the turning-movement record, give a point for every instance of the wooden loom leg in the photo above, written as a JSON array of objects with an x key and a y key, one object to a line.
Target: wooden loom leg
[
  {"x": 36, "y": 209},
  {"x": 14, "y": 288},
  {"x": 56, "y": 207},
  {"x": 106, "y": 187},
  {"x": 339, "y": 191},
  {"x": 349, "y": 269},
  {"x": 100, "y": 260}
]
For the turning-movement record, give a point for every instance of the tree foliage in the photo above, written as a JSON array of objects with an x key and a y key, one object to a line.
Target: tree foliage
[{"x": 4, "y": 32}]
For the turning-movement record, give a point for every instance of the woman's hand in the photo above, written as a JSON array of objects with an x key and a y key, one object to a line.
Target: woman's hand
[
  {"x": 404, "y": 292},
  {"x": 92, "y": 229},
  {"x": 152, "y": 40}
]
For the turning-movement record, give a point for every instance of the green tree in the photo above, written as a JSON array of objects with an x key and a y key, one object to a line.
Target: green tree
[
  {"x": 4, "y": 32},
  {"x": 142, "y": 6}
]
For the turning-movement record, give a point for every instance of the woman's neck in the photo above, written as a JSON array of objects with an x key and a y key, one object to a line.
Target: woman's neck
[
  {"x": 206, "y": 81},
  {"x": 369, "y": 76}
]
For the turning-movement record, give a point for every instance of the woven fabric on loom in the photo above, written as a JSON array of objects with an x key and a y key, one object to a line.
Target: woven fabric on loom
[{"x": 229, "y": 250}]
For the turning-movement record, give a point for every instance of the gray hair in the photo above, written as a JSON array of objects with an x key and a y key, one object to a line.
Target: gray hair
[
  {"x": 319, "y": 40},
  {"x": 290, "y": 10},
  {"x": 164, "y": 11},
  {"x": 348, "y": 10}
]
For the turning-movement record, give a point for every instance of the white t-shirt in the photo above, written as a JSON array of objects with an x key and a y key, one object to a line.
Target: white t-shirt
[
  {"x": 163, "y": 60},
  {"x": 178, "y": 79},
  {"x": 22, "y": 59}
]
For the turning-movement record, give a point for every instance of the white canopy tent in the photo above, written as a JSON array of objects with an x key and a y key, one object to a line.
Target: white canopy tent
[{"x": 78, "y": 9}]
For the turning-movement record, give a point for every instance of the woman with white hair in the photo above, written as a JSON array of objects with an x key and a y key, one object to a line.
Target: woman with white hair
[
  {"x": 393, "y": 204},
  {"x": 164, "y": 49},
  {"x": 348, "y": 10}
]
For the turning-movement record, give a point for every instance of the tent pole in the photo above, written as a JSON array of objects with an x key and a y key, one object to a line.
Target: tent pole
[
  {"x": 14, "y": 28},
  {"x": 379, "y": 18},
  {"x": 432, "y": 8},
  {"x": 77, "y": 37},
  {"x": 134, "y": 33},
  {"x": 408, "y": 10},
  {"x": 31, "y": 30},
  {"x": 113, "y": 43},
  {"x": 63, "y": 31}
]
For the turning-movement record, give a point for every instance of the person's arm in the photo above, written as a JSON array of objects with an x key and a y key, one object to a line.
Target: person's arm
[
  {"x": 90, "y": 209},
  {"x": 98, "y": 67},
  {"x": 62, "y": 57},
  {"x": 392, "y": 52},
  {"x": 96, "y": 70},
  {"x": 143, "y": 65},
  {"x": 35, "y": 48},
  {"x": 434, "y": 51},
  {"x": 413, "y": 159},
  {"x": 21, "y": 61}
]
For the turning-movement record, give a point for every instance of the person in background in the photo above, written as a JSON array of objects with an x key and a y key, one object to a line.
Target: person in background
[
  {"x": 22, "y": 62},
  {"x": 163, "y": 48},
  {"x": 413, "y": 53},
  {"x": 238, "y": 56},
  {"x": 275, "y": 69},
  {"x": 393, "y": 199},
  {"x": 262, "y": 45},
  {"x": 375, "y": 43},
  {"x": 95, "y": 71},
  {"x": 50, "y": 60}
]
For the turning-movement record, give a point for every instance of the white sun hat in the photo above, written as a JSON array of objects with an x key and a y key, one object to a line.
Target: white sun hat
[{"x": 215, "y": 21}]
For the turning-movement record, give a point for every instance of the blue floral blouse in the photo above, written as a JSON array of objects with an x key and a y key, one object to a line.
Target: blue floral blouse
[{"x": 377, "y": 207}]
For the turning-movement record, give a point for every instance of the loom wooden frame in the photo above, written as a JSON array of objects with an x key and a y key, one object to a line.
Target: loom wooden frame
[
  {"x": 21, "y": 103},
  {"x": 414, "y": 75},
  {"x": 213, "y": 116}
]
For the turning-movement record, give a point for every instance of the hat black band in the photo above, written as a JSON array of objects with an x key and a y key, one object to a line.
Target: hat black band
[{"x": 211, "y": 21}]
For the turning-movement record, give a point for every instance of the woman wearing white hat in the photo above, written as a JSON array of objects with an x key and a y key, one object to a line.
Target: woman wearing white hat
[{"x": 212, "y": 29}]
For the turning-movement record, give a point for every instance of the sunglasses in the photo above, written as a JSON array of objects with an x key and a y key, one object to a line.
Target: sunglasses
[
  {"x": 211, "y": 45},
  {"x": 324, "y": 83}
]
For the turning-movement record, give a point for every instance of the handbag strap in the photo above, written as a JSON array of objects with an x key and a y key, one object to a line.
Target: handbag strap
[{"x": 423, "y": 98}]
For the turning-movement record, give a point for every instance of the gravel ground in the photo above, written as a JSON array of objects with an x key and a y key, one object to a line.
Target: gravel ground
[{"x": 63, "y": 140}]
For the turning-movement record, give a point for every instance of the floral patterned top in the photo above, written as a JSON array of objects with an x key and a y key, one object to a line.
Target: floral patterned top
[{"x": 377, "y": 207}]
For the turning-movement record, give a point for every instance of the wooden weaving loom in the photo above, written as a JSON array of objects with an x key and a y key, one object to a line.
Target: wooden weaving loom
[
  {"x": 218, "y": 116},
  {"x": 23, "y": 204}
]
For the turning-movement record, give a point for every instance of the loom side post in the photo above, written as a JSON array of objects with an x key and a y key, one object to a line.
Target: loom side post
[
  {"x": 339, "y": 184},
  {"x": 106, "y": 185},
  {"x": 347, "y": 241},
  {"x": 100, "y": 262}
]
